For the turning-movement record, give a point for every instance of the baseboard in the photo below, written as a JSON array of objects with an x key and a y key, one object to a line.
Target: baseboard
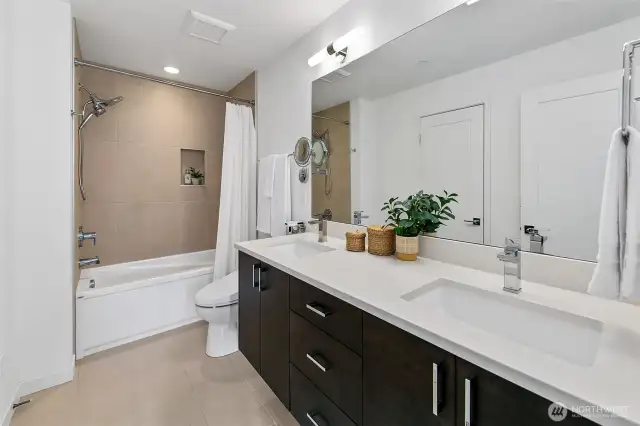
[
  {"x": 5, "y": 420},
  {"x": 135, "y": 338},
  {"x": 48, "y": 381}
]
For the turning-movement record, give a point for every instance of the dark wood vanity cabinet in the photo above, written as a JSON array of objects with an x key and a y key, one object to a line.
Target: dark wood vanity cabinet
[
  {"x": 249, "y": 309},
  {"x": 406, "y": 380},
  {"x": 484, "y": 399},
  {"x": 334, "y": 365},
  {"x": 263, "y": 322}
]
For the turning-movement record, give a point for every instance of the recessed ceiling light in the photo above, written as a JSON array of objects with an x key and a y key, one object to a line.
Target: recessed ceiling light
[
  {"x": 470, "y": 2},
  {"x": 172, "y": 70}
]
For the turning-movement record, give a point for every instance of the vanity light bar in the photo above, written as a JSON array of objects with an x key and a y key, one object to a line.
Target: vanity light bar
[{"x": 336, "y": 47}]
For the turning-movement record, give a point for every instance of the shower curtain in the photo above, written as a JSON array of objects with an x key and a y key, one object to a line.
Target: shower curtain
[{"x": 237, "y": 218}]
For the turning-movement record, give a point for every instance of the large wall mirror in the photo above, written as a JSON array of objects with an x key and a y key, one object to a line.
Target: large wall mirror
[{"x": 509, "y": 104}]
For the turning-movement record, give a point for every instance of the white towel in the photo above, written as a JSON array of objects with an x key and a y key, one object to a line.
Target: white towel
[
  {"x": 611, "y": 235},
  {"x": 630, "y": 285},
  {"x": 281, "y": 201},
  {"x": 266, "y": 170}
]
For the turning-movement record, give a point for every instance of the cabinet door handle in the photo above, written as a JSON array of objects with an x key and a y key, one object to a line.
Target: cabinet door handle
[
  {"x": 255, "y": 284},
  {"x": 436, "y": 390},
  {"x": 317, "y": 420},
  {"x": 260, "y": 270},
  {"x": 318, "y": 309},
  {"x": 319, "y": 362},
  {"x": 467, "y": 402}
]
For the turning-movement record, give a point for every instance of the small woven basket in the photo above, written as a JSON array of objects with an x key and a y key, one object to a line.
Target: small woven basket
[
  {"x": 382, "y": 241},
  {"x": 355, "y": 241}
]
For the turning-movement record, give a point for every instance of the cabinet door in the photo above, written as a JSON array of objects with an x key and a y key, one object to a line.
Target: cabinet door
[
  {"x": 249, "y": 309},
  {"x": 407, "y": 381},
  {"x": 484, "y": 399},
  {"x": 274, "y": 331}
]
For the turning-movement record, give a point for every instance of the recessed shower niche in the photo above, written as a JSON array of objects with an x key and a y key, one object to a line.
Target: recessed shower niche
[{"x": 192, "y": 160}]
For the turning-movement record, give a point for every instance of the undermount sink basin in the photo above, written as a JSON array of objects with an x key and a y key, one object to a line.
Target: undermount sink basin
[
  {"x": 300, "y": 249},
  {"x": 570, "y": 337}
]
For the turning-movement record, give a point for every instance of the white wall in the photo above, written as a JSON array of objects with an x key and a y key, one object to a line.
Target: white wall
[
  {"x": 7, "y": 380},
  {"x": 499, "y": 86},
  {"x": 37, "y": 272},
  {"x": 284, "y": 86}
]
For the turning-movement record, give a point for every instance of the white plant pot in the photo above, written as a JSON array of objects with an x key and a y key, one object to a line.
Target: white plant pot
[
  {"x": 407, "y": 248},
  {"x": 195, "y": 181}
]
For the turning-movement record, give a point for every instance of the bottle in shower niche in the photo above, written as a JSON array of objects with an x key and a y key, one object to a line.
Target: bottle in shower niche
[{"x": 187, "y": 177}]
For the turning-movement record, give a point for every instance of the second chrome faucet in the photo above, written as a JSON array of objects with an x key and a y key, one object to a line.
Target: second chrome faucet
[{"x": 512, "y": 266}]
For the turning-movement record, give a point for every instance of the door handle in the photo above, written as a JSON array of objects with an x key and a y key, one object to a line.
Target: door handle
[
  {"x": 317, "y": 420},
  {"x": 475, "y": 221},
  {"x": 467, "y": 402},
  {"x": 318, "y": 309},
  {"x": 436, "y": 398},
  {"x": 319, "y": 362}
]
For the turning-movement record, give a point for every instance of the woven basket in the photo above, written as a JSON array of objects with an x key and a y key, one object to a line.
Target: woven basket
[
  {"x": 382, "y": 241},
  {"x": 355, "y": 241}
]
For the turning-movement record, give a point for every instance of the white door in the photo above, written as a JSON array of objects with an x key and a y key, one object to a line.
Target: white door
[
  {"x": 566, "y": 133},
  {"x": 452, "y": 151}
]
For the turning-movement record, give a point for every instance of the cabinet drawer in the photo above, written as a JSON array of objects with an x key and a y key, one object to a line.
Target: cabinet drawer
[
  {"x": 309, "y": 404},
  {"x": 339, "y": 319},
  {"x": 330, "y": 365}
]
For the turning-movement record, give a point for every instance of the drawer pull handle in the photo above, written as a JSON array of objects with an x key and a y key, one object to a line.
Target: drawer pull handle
[
  {"x": 318, "y": 310},
  {"x": 436, "y": 401},
  {"x": 319, "y": 362},
  {"x": 467, "y": 402},
  {"x": 317, "y": 420}
]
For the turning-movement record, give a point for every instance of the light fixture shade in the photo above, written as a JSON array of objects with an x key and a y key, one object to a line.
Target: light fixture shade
[
  {"x": 338, "y": 45},
  {"x": 346, "y": 40},
  {"x": 318, "y": 57}
]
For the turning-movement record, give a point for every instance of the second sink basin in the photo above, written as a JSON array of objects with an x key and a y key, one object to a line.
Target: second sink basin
[
  {"x": 570, "y": 337},
  {"x": 300, "y": 249}
]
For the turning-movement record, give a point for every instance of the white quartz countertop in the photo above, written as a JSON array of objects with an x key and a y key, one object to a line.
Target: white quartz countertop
[{"x": 376, "y": 284}]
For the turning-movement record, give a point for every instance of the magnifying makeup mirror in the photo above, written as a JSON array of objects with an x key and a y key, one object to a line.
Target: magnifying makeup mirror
[
  {"x": 302, "y": 152},
  {"x": 320, "y": 152}
]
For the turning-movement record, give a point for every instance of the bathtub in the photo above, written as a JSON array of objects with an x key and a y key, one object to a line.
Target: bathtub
[{"x": 122, "y": 303}]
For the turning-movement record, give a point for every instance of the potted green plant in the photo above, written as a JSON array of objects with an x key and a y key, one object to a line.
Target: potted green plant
[
  {"x": 197, "y": 178},
  {"x": 419, "y": 213}
]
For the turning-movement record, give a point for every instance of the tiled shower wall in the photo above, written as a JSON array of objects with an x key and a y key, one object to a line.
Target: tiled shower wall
[{"x": 132, "y": 170}]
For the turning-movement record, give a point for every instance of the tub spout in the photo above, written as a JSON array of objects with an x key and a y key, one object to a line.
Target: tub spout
[{"x": 83, "y": 263}]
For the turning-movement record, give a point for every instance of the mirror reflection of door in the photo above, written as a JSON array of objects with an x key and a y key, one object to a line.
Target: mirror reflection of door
[
  {"x": 452, "y": 159},
  {"x": 331, "y": 181},
  {"x": 566, "y": 133}
]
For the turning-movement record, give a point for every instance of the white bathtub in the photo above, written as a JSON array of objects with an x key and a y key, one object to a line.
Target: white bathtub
[{"x": 122, "y": 303}]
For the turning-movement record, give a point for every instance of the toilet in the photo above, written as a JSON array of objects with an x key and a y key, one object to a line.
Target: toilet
[{"x": 217, "y": 303}]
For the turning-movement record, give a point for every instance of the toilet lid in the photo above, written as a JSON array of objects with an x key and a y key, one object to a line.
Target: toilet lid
[{"x": 220, "y": 292}]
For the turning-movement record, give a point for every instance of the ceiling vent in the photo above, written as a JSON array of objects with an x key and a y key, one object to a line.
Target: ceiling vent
[
  {"x": 338, "y": 74},
  {"x": 207, "y": 28}
]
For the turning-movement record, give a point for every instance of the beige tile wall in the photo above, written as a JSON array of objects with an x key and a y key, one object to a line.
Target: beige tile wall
[
  {"x": 339, "y": 200},
  {"x": 133, "y": 170}
]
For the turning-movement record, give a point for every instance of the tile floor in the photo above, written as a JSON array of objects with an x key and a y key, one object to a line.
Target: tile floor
[{"x": 166, "y": 380}]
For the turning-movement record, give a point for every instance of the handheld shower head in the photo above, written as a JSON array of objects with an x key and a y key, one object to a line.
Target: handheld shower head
[{"x": 100, "y": 105}]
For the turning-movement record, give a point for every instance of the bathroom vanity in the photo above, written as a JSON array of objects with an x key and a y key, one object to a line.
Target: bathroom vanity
[{"x": 352, "y": 339}]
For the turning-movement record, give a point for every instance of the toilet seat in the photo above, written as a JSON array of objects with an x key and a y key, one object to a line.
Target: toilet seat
[{"x": 220, "y": 293}]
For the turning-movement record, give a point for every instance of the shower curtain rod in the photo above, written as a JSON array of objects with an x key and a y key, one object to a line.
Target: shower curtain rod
[
  {"x": 80, "y": 63},
  {"x": 346, "y": 123}
]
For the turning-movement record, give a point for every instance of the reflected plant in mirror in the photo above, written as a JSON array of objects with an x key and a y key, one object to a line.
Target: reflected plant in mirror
[{"x": 419, "y": 213}]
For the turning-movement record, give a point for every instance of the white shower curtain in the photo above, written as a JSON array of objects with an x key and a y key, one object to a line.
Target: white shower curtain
[{"x": 237, "y": 218}]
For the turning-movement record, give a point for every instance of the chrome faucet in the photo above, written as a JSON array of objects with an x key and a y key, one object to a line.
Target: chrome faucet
[
  {"x": 83, "y": 263},
  {"x": 82, "y": 236},
  {"x": 358, "y": 216},
  {"x": 512, "y": 266},
  {"x": 322, "y": 229}
]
